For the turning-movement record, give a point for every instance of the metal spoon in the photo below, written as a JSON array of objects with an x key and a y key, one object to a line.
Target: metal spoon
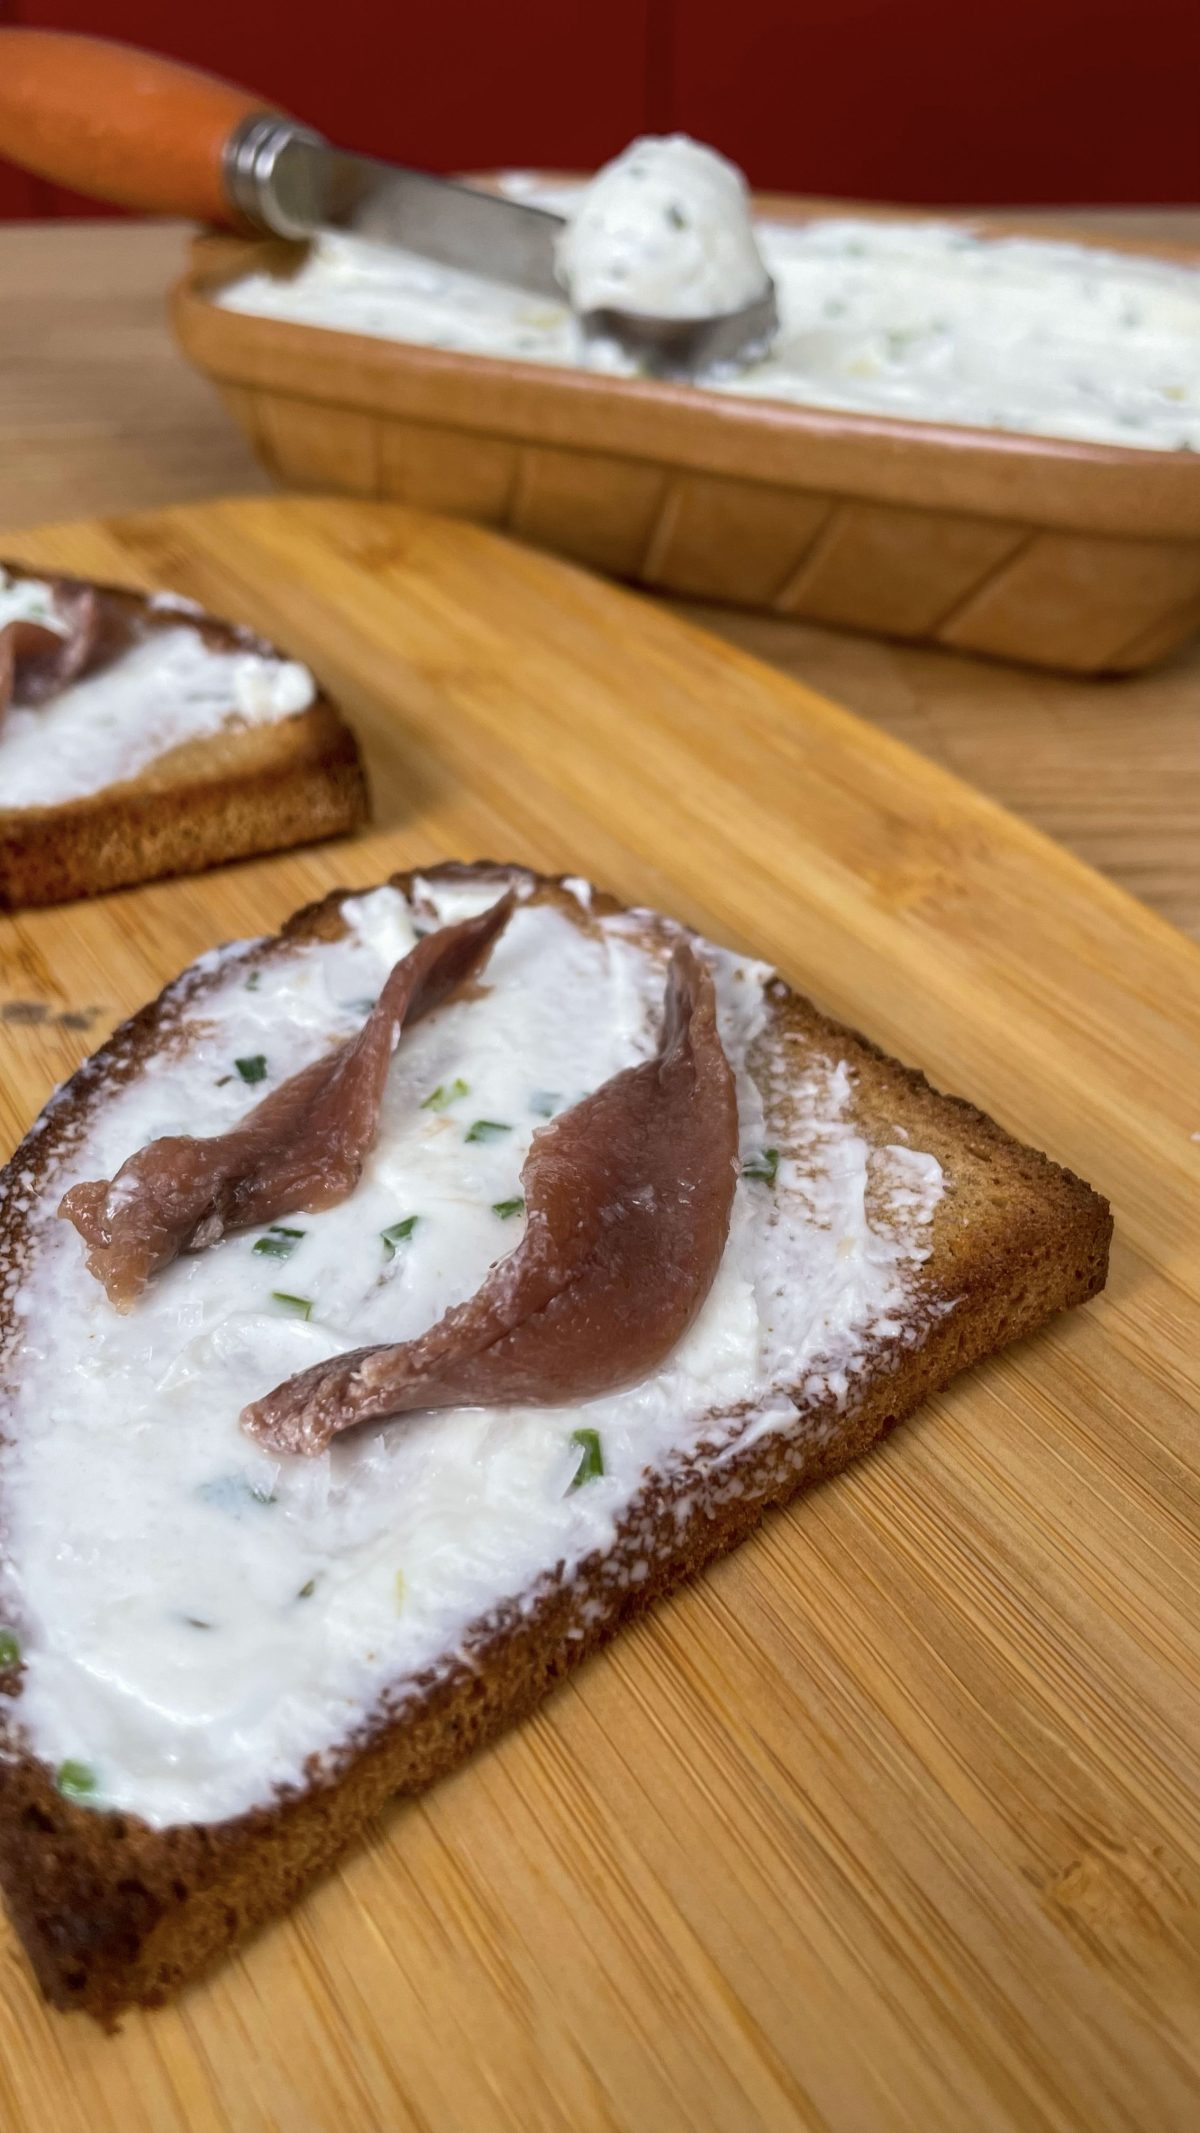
[{"x": 286, "y": 179}]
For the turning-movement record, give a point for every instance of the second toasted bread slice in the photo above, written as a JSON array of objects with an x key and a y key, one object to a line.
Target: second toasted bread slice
[{"x": 167, "y": 743}]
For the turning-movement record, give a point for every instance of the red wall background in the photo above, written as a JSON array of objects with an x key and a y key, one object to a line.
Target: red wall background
[{"x": 940, "y": 101}]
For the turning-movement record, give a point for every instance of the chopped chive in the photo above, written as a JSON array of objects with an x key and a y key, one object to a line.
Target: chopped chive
[
  {"x": 75, "y": 1780},
  {"x": 253, "y": 981},
  {"x": 307, "y": 1590},
  {"x": 545, "y": 1102},
  {"x": 296, "y": 1306},
  {"x": 397, "y": 1234},
  {"x": 254, "y": 1068},
  {"x": 676, "y": 220},
  {"x": 591, "y": 1465},
  {"x": 505, "y": 1208},
  {"x": 487, "y": 1129},
  {"x": 279, "y": 1243},
  {"x": 10, "y": 1649},
  {"x": 230, "y": 1492},
  {"x": 762, "y": 1166},
  {"x": 445, "y": 1094}
]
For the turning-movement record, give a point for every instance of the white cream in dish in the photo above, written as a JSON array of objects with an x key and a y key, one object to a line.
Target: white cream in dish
[
  {"x": 905, "y": 318},
  {"x": 664, "y": 228},
  {"x": 107, "y": 726},
  {"x": 198, "y": 1618}
]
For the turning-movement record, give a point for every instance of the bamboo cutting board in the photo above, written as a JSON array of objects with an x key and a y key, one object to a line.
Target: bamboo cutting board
[{"x": 891, "y": 1824}]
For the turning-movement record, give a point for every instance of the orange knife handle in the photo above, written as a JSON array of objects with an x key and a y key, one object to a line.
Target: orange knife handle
[{"x": 119, "y": 124}]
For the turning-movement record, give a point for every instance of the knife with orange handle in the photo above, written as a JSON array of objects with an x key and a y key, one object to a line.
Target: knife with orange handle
[
  {"x": 148, "y": 133},
  {"x": 151, "y": 134}
]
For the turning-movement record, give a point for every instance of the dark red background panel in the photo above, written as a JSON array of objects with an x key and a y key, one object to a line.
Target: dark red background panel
[{"x": 982, "y": 100}]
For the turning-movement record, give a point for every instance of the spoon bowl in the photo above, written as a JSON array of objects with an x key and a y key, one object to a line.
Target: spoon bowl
[{"x": 684, "y": 348}]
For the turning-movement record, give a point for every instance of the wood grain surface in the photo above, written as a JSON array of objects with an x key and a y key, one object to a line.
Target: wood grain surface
[
  {"x": 890, "y": 1824},
  {"x": 98, "y": 412}
]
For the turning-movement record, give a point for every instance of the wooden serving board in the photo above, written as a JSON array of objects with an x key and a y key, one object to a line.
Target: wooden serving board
[{"x": 891, "y": 1824}]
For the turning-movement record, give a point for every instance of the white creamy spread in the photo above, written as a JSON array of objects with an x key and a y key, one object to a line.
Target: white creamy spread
[
  {"x": 197, "y": 1618},
  {"x": 665, "y": 228},
  {"x": 29, "y": 600},
  {"x": 908, "y": 318},
  {"x": 107, "y": 726}
]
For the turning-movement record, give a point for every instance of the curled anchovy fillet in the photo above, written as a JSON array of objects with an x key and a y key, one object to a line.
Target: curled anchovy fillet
[
  {"x": 300, "y": 1149},
  {"x": 627, "y": 1200},
  {"x": 37, "y": 662}
]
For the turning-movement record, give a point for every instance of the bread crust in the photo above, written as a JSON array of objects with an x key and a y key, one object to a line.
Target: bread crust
[
  {"x": 114, "y": 1913},
  {"x": 233, "y": 795}
]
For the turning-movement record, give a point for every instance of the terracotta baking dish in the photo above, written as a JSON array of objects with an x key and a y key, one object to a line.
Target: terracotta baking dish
[{"x": 1077, "y": 556}]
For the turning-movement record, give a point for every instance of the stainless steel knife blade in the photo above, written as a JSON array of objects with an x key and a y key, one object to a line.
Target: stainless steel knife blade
[{"x": 289, "y": 180}]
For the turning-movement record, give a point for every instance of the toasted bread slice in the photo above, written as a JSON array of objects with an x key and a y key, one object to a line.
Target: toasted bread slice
[
  {"x": 223, "y": 794},
  {"x": 904, "y": 1235}
]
